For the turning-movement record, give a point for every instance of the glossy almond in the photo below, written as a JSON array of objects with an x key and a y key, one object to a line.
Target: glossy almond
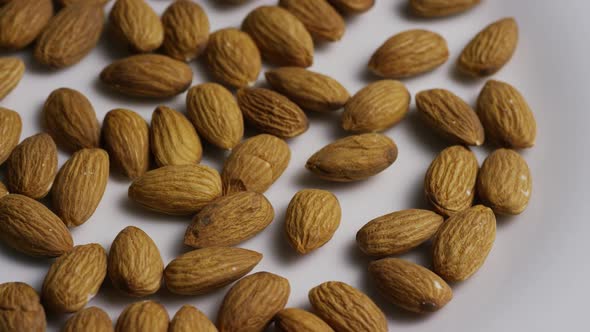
[
  {"x": 10, "y": 130},
  {"x": 92, "y": 319},
  {"x": 143, "y": 316},
  {"x": 173, "y": 139},
  {"x": 191, "y": 319},
  {"x": 20, "y": 309},
  {"x": 11, "y": 71},
  {"x": 440, "y": 8},
  {"x": 298, "y": 320},
  {"x": 319, "y": 18},
  {"x": 22, "y": 21},
  {"x": 353, "y": 6},
  {"x": 137, "y": 24},
  {"x": 186, "y": 30}
]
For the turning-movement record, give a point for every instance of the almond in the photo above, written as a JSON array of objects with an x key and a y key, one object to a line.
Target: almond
[
  {"x": 319, "y": 18},
  {"x": 251, "y": 303},
  {"x": 91, "y": 319},
  {"x": 346, "y": 308},
  {"x": 280, "y": 36},
  {"x": 75, "y": 2},
  {"x": 186, "y": 30},
  {"x": 10, "y": 130},
  {"x": 398, "y": 232},
  {"x": 298, "y": 320},
  {"x": 463, "y": 243},
  {"x": 22, "y": 21},
  {"x": 135, "y": 266},
  {"x": 353, "y": 158},
  {"x": 376, "y": 107},
  {"x": 450, "y": 116},
  {"x": 173, "y": 139},
  {"x": 189, "y": 319},
  {"x": 490, "y": 49},
  {"x": 138, "y": 24},
  {"x": 439, "y": 8},
  {"x": 11, "y": 71},
  {"x": 20, "y": 309},
  {"x": 3, "y": 190},
  {"x": 310, "y": 90},
  {"x": 353, "y": 6},
  {"x": 74, "y": 278},
  {"x": 143, "y": 316}
]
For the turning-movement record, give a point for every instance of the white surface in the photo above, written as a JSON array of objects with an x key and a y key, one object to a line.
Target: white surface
[{"x": 536, "y": 277}]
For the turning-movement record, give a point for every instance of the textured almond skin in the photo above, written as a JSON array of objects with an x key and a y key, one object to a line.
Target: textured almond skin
[
  {"x": 143, "y": 316},
  {"x": 319, "y": 18},
  {"x": 298, "y": 320},
  {"x": 186, "y": 30},
  {"x": 251, "y": 303},
  {"x": 204, "y": 270},
  {"x": 32, "y": 166},
  {"x": 450, "y": 116},
  {"x": 70, "y": 119},
  {"x": 75, "y": 2},
  {"x": 409, "y": 53},
  {"x": 353, "y": 158},
  {"x": 215, "y": 113},
  {"x": 126, "y": 138},
  {"x": 22, "y": 21},
  {"x": 148, "y": 75},
  {"x": 272, "y": 113},
  {"x": 410, "y": 286},
  {"x": 463, "y": 243},
  {"x": 449, "y": 184},
  {"x": 280, "y": 36},
  {"x": 190, "y": 319},
  {"x": 376, "y": 107},
  {"x": 3, "y": 190},
  {"x": 506, "y": 116},
  {"x": 440, "y": 8},
  {"x": 70, "y": 36},
  {"x": 255, "y": 164},
  {"x": 346, "y": 308},
  {"x": 20, "y": 309},
  {"x": 233, "y": 58},
  {"x": 74, "y": 278},
  {"x": 229, "y": 220},
  {"x": 353, "y": 6},
  {"x": 91, "y": 319},
  {"x": 490, "y": 49},
  {"x": 310, "y": 90},
  {"x": 397, "y": 232},
  {"x": 176, "y": 190},
  {"x": 138, "y": 24},
  {"x": 135, "y": 266},
  {"x": 10, "y": 130},
  {"x": 173, "y": 139},
  {"x": 11, "y": 70},
  {"x": 313, "y": 216}
]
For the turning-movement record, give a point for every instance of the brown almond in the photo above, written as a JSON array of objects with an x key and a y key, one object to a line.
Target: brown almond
[
  {"x": 76, "y": 2},
  {"x": 22, "y": 21},
  {"x": 190, "y": 319},
  {"x": 143, "y": 316},
  {"x": 319, "y": 18},
  {"x": 137, "y": 24},
  {"x": 11, "y": 71},
  {"x": 20, "y": 308},
  {"x": 353, "y": 6},
  {"x": 186, "y": 30},
  {"x": 298, "y": 320},
  {"x": 91, "y": 319},
  {"x": 10, "y": 130},
  {"x": 440, "y": 8},
  {"x": 3, "y": 190}
]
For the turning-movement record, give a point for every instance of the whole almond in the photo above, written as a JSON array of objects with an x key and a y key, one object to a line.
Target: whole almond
[
  {"x": 280, "y": 36},
  {"x": 346, "y": 308},
  {"x": 190, "y": 319},
  {"x": 137, "y": 24},
  {"x": 376, "y": 107},
  {"x": 506, "y": 116},
  {"x": 251, "y": 303},
  {"x": 143, "y": 316},
  {"x": 22, "y": 21},
  {"x": 148, "y": 75},
  {"x": 135, "y": 266},
  {"x": 70, "y": 119},
  {"x": 91, "y": 319},
  {"x": 319, "y": 18},
  {"x": 204, "y": 270},
  {"x": 20, "y": 309},
  {"x": 173, "y": 139},
  {"x": 409, "y": 53},
  {"x": 353, "y": 158},
  {"x": 439, "y": 8},
  {"x": 11, "y": 71},
  {"x": 398, "y": 232},
  {"x": 76, "y": 2},
  {"x": 353, "y": 6},
  {"x": 490, "y": 49},
  {"x": 215, "y": 113},
  {"x": 463, "y": 243},
  {"x": 3, "y": 190},
  {"x": 313, "y": 216},
  {"x": 449, "y": 183},
  {"x": 74, "y": 278},
  {"x": 450, "y": 116},
  {"x": 32, "y": 166},
  {"x": 186, "y": 30},
  {"x": 298, "y": 320},
  {"x": 410, "y": 286},
  {"x": 310, "y": 90},
  {"x": 126, "y": 138},
  {"x": 10, "y": 130},
  {"x": 233, "y": 58}
]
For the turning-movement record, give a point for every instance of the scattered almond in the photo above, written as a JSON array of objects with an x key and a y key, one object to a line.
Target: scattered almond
[
  {"x": 298, "y": 320},
  {"x": 10, "y": 130},
  {"x": 186, "y": 30},
  {"x": 353, "y": 6},
  {"x": 190, "y": 319},
  {"x": 173, "y": 139},
  {"x": 22, "y": 21},
  {"x": 439, "y": 8},
  {"x": 91, "y": 319},
  {"x": 138, "y": 24},
  {"x": 319, "y": 18},
  {"x": 11, "y": 71},
  {"x": 20, "y": 309},
  {"x": 143, "y": 316}
]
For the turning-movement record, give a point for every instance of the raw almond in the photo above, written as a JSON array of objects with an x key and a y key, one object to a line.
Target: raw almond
[
  {"x": 410, "y": 286},
  {"x": 10, "y": 130},
  {"x": 298, "y": 320},
  {"x": 143, "y": 316},
  {"x": 148, "y": 75},
  {"x": 321, "y": 19},
  {"x": 409, "y": 53},
  {"x": 450, "y": 116},
  {"x": 204, "y": 270},
  {"x": 398, "y": 232},
  {"x": 74, "y": 278},
  {"x": 176, "y": 190},
  {"x": 22, "y": 21},
  {"x": 310, "y": 90},
  {"x": 449, "y": 184},
  {"x": 135, "y": 266},
  {"x": 346, "y": 308},
  {"x": 313, "y": 216},
  {"x": 20, "y": 308},
  {"x": 3, "y": 190},
  {"x": 506, "y": 116},
  {"x": 138, "y": 24},
  {"x": 11, "y": 71},
  {"x": 215, "y": 113},
  {"x": 353, "y": 6},
  {"x": 439, "y": 8},
  {"x": 76, "y": 2},
  {"x": 91, "y": 319},
  {"x": 251, "y": 303},
  {"x": 280, "y": 36},
  {"x": 190, "y": 319},
  {"x": 173, "y": 139},
  {"x": 353, "y": 158},
  {"x": 229, "y": 220},
  {"x": 490, "y": 49},
  {"x": 376, "y": 107},
  {"x": 186, "y": 30},
  {"x": 463, "y": 243}
]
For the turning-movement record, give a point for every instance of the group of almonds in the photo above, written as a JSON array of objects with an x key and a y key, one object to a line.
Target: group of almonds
[{"x": 230, "y": 207}]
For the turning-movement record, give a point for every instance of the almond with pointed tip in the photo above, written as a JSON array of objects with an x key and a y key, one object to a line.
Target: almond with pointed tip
[
  {"x": 143, "y": 316},
  {"x": 353, "y": 6},
  {"x": 20, "y": 308},
  {"x": 440, "y": 8},
  {"x": 298, "y": 320},
  {"x": 190, "y": 319},
  {"x": 22, "y": 21},
  {"x": 173, "y": 139},
  {"x": 11, "y": 71},
  {"x": 91, "y": 319},
  {"x": 137, "y": 24},
  {"x": 10, "y": 130},
  {"x": 319, "y": 18},
  {"x": 186, "y": 30}
]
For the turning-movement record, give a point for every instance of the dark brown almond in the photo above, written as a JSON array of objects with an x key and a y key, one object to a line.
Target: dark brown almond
[
  {"x": 138, "y": 24},
  {"x": 20, "y": 308},
  {"x": 173, "y": 139},
  {"x": 10, "y": 130},
  {"x": 186, "y": 30},
  {"x": 22, "y": 21},
  {"x": 318, "y": 16}
]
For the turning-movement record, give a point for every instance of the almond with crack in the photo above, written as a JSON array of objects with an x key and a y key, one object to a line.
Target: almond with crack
[
  {"x": 22, "y": 21},
  {"x": 189, "y": 318},
  {"x": 440, "y": 8},
  {"x": 92, "y": 319},
  {"x": 173, "y": 139},
  {"x": 186, "y": 30},
  {"x": 10, "y": 130},
  {"x": 135, "y": 22},
  {"x": 11, "y": 70},
  {"x": 20, "y": 308},
  {"x": 143, "y": 316},
  {"x": 318, "y": 16},
  {"x": 298, "y": 320}
]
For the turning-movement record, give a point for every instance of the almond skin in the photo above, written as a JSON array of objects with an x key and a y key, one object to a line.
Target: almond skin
[
  {"x": 10, "y": 130},
  {"x": 20, "y": 308},
  {"x": 91, "y": 319},
  {"x": 280, "y": 36},
  {"x": 319, "y": 18},
  {"x": 376, "y": 107},
  {"x": 298, "y": 320},
  {"x": 186, "y": 30},
  {"x": 11, "y": 70},
  {"x": 143, "y": 316},
  {"x": 22, "y": 21},
  {"x": 173, "y": 139},
  {"x": 440, "y": 8},
  {"x": 138, "y": 24},
  {"x": 353, "y": 6},
  {"x": 189, "y": 319},
  {"x": 3, "y": 190}
]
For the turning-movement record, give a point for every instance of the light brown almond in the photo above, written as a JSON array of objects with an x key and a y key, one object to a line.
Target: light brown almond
[
  {"x": 353, "y": 6},
  {"x": 186, "y": 30},
  {"x": 76, "y": 2},
  {"x": 191, "y": 319},
  {"x": 173, "y": 139},
  {"x": 20, "y": 308},
  {"x": 91, "y": 319},
  {"x": 143, "y": 316},
  {"x": 298, "y": 320},
  {"x": 10, "y": 130},
  {"x": 137, "y": 24},
  {"x": 22, "y": 21},
  {"x": 11, "y": 71},
  {"x": 440, "y": 8},
  {"x": 319, "y": 18}
]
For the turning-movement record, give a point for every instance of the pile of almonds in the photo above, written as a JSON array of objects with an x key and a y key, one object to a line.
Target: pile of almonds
[{"x": 230, "y": 207}]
